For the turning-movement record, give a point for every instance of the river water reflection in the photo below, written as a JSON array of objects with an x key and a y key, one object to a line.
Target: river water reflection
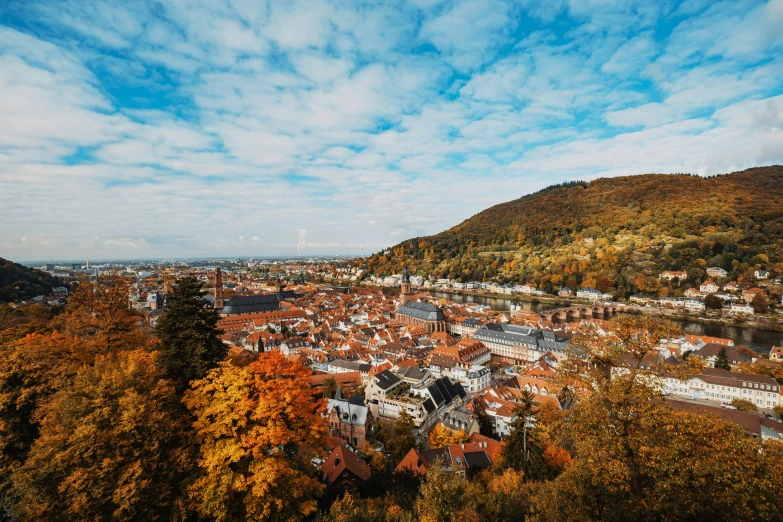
[{"x": 759, "y": 340}]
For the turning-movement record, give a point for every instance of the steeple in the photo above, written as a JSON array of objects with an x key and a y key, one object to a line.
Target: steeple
[
  {"x": 405, "y": 287},
  {"x": 218, "y": 290}
]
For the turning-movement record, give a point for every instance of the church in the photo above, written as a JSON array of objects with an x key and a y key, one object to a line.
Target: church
[
  {"x": 415, "y": 313},
  {"x": 243, "y": 304}
]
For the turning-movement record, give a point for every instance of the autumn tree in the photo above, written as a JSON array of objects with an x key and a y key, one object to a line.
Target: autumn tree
[
  {"x": 378, "y": 464},
  {"x": 442, "y": 436},
  {"x": 109, "y": 448},
  {"x": 352, "y": 508},
  {"x": 258, "y": 428},
  {"x": 401, "y": 439},
  {"x": 743, "y": 405},
  {"x": 32, "y": 370},
  {"x": 636, "y": 458},
  {"x": 100, "y": 315},
  {"x": 760, "y": 303},
  {"x": 445, "y": 497},
  {"x": 190, "y": 343}
]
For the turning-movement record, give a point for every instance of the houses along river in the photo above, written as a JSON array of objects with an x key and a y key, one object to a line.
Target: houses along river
[{"x": 759, "y": 340}]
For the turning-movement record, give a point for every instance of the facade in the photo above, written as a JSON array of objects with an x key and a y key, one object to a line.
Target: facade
[
  {"x": 682, "y": 275},
  {"x": 423, "y": 315},
  {"x": 722, "y": 386},
  {"x": 350, "y": 421},
  {"x": 708, "y": 287},
  {"x": 518, "y": 344},
  {"x": 344, "y": 468},
  {"x": 715, "y": 271}
]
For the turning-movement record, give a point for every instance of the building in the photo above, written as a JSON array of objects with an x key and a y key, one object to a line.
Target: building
[
  {"x": 388, "y": 395},
  {"x": 722, "y": 386},
  {"x": 344, "y": 468},
  {"x": 710, "y": 351},
  {"x": 242, "y": 304},
  {"x": 682, "y": 275},
  {"x": 761, "y": 274},
  {"x": 776, "y": 354},
  {"x": 519, "y": 344},
  {"x": 715, "y": 271},
  {"x": 466, "y": 459},
  {"x": 708, "y": 287},
  {"x": 740, "y": 309},
  {"x": 592, "y": 294},
  {"x": 406, "y": 293},
  {"x": 423, "y": 315},
  {"x": 349, "y": 420}
]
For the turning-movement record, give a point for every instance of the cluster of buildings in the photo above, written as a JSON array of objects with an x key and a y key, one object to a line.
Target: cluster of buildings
[
  {"x": 737, "y": 298},
  {"x": 465, "y": 367}
]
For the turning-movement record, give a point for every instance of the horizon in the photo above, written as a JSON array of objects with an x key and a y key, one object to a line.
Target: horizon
[{"x": 313, "y": 129}]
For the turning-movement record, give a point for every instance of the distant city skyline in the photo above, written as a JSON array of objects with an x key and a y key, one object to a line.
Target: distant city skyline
[{"x": 248, "y": 129}]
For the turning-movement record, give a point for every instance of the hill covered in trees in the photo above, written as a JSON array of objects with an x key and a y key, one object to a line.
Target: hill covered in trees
[
  {"x": 20, "y": 282},
  {"x": 606, "y": 232}
]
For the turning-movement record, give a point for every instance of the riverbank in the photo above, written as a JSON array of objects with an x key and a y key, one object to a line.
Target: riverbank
[{"x": 760, "y": 323}]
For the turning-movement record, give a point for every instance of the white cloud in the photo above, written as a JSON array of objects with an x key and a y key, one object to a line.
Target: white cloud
[{"x": 153, "y": 129}]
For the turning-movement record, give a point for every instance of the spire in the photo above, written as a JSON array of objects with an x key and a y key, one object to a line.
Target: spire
[
  {"x": 405, "y": 287},
  {"x": 338, "y": 395},
  {"x": 218, "y": 290}
]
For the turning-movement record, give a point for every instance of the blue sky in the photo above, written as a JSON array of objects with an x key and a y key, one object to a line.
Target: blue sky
[{"x": 184, "y": 128}]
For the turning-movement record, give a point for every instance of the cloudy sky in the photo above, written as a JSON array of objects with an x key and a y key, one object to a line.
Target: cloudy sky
[{"x": 179, "y": 128}]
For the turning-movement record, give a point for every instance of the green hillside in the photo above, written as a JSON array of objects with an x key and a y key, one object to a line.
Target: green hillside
[
  {"x": 605, "y": 233},
  {"x": 20, "y": 282}
]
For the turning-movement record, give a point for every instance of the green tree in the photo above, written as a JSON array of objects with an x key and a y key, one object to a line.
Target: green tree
[
  {"x": 743, "y": 405},
  {"x": 402, "y": 438},
  {"x": 523, "y": 450},
  {"x": 329, "y": 388},
  {"x": 713, "y": 302},
  {"x": 190, "y": 342},
  {"x": 722, "y": 360}
]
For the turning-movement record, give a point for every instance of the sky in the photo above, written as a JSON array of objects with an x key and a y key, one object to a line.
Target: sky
[{"x": 248, "y": 128}]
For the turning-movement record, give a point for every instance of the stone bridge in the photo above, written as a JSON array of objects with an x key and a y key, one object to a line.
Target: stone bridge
[{"x": 576, "y": 313}]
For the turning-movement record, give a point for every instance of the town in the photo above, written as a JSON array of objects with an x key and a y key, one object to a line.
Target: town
[{"x": 379, "y": 352}]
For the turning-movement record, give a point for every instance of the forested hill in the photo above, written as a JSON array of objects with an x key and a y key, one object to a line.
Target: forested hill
[
  {"x": 606, "y": 232},
  {"x": 20, "y": 282}
]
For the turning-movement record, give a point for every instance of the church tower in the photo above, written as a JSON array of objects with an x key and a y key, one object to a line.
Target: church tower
[
  {"x": 218, "y": 290},
  {"x": 405, "y": 287}
]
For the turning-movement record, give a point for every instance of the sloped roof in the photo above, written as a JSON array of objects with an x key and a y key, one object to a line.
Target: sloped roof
[
  {"x": 419, "y": 310},
  {"x": 341, "y": 459}
]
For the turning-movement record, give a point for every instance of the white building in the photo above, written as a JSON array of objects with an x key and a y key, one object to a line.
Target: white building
[
  {"x": 722, "y": 386},
  {"x": 740, "y": 308}
]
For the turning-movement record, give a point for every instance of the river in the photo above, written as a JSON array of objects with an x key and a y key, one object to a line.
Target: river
[{"x": 759, "y": 340}]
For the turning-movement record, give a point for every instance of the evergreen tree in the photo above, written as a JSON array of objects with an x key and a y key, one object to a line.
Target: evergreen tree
[
  {"x": 402, "y": 438},
  {"x": 722, "y": 361},
  {"x": 523, "y": 450},
  {"x": 189, "y": 338}
]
